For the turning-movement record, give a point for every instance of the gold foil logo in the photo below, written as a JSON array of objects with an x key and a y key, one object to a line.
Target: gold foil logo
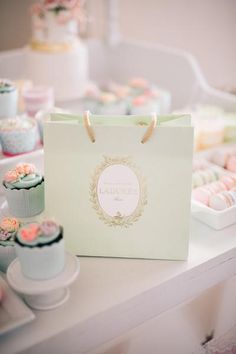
[{"x": 118, "y": 191}]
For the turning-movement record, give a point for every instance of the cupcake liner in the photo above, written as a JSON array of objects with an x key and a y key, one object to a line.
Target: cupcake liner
[
  {"x": 18, "y": 141},
  {"x": 7, "y": 255},
  {"x": 8, "y": 104},
  {"x": 42, "y": 263},
  {"x": 25, "y": 202}
]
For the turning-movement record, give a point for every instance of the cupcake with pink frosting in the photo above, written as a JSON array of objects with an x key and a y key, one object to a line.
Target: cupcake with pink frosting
[
  {"x": 8, "y": 229},
  {"x": 24, "y": 190},
  {"x": 40, "y": 249}
]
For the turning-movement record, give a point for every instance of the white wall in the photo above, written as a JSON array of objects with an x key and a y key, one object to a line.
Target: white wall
[{"x": 206, "y": 28}]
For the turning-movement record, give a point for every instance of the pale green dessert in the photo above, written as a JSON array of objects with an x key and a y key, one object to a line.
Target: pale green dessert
[
  {"x": 8, "y": 229},
  {"x": 24, "y": 190}
]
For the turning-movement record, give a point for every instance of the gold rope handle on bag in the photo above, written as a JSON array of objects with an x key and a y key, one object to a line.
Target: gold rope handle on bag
[
  {"x": 148, "y": 133},
  {"x": 88, "y": 126}
]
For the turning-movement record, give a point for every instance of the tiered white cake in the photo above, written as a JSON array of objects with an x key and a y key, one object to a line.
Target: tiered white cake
[{"x": 56, "y": 55}]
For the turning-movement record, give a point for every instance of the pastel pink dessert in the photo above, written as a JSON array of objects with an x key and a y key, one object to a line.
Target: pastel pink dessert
[
  {"x": 229, "y": 181},
  {"x": 202, "y": 194},
  {"x": 200, "y": 164},
  {"x": 37, "y": 98},
  {"x": 222, "y": 200},
  {"x": 231, "y": 163}
]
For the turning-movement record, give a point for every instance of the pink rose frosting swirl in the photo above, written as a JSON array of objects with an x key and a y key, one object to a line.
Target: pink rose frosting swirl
[
  {"x": 25, "y": 168},
  {"x": 30, "y": 232},
  {"x": 11, "y": 176},
  {"x": 9, "y": 224},
  {"x": 48, "y": 228}
]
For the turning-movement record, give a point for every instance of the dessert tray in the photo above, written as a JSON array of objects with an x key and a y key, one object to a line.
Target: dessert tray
[
  {"x": 13, "y": 311},
  {"x": 213, "y": 218},
  {"x": 44, "y": 294}
]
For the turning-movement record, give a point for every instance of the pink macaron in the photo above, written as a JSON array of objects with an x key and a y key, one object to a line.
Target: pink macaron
[
  {"x": 229, "y": 181},
  {"x": 222, "y": 200},
  {"x": 220, "y": 158},
  {"x": 200, "y": 164},
  {"x": 231, "y": 163},
  {"x": 203, "y": 194}
]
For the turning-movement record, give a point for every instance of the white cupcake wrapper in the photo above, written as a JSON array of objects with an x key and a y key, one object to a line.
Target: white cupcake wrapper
[
  {"x": 42, "y": 262},
  {"x": 7, "y": 255},
  {"x": 25, "y": 202}
]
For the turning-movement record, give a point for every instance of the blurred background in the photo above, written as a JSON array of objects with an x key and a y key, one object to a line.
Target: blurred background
[{"x": 205, "y": 28}]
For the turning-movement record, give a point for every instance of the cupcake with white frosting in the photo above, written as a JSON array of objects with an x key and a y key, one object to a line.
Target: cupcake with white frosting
[
  {"x": 18, "y": 135},
  {"x": 40, "y": 249},
  {"x": 8, "y": 229},
  {"x": 24, "y": 190},
  {"x": 8, "y": 99}
]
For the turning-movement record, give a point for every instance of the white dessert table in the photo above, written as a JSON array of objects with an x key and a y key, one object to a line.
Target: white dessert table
[{"x": 112, "y": 296}]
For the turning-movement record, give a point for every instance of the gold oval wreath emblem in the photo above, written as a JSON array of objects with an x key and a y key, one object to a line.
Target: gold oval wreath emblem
[{"x": 118, "y": 219}]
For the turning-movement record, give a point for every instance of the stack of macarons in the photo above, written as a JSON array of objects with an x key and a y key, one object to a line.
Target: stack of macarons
[
  {"x": 205, "y": 176},
  {"x": 225, "y": 159},
  {"x": 223, "y": 200},
  {"x": 200, "y": 164},
  {"x": 207, "y": 194}
]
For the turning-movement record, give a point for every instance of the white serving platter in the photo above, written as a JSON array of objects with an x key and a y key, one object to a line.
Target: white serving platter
[
  {"x": 13, "y": 311},
  {"x": 217, "y": 219}
]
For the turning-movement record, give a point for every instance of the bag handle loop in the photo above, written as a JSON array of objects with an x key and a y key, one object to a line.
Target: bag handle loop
[
  {"x": 147, "y": 135},
  {"x": 150, "y": 129},
  {"x": 88, "y": 126}
]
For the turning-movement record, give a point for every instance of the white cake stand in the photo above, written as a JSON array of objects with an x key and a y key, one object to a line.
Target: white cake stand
[{"x": 44, "y": 294}]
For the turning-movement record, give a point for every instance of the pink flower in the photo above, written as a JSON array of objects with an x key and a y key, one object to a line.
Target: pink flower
[
  {"x": 30, "y": 233},
  {"x": 11, "y": 176},
  {"x": 49, "y": 228},
  {"x": 25, "y": 168},
  {"x": 10, "y": 224},
  {"x": 51, "y": 4}
]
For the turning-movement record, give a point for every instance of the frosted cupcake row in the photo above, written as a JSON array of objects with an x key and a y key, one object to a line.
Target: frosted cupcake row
[{"x": 136, "y": 97}]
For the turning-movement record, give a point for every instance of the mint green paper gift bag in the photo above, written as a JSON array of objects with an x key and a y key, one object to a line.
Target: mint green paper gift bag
[{"x": 120, "y": 185}]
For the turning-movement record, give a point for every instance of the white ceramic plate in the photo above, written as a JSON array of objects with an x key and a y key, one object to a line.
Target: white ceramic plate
[{"x": 13, "y": 311}]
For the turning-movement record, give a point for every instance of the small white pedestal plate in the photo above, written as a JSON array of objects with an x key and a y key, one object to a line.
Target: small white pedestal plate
[{"x": 44, "y": 294}]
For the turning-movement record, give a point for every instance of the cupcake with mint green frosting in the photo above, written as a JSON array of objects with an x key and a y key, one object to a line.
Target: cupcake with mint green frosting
[
  {"x": 18, "y": 135},
  {"x": 24, "y": 190},
  {"x": 8, "y": 229},
  {"x": 8, "y": 99},
  {"x": 40, "y": 249}
]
